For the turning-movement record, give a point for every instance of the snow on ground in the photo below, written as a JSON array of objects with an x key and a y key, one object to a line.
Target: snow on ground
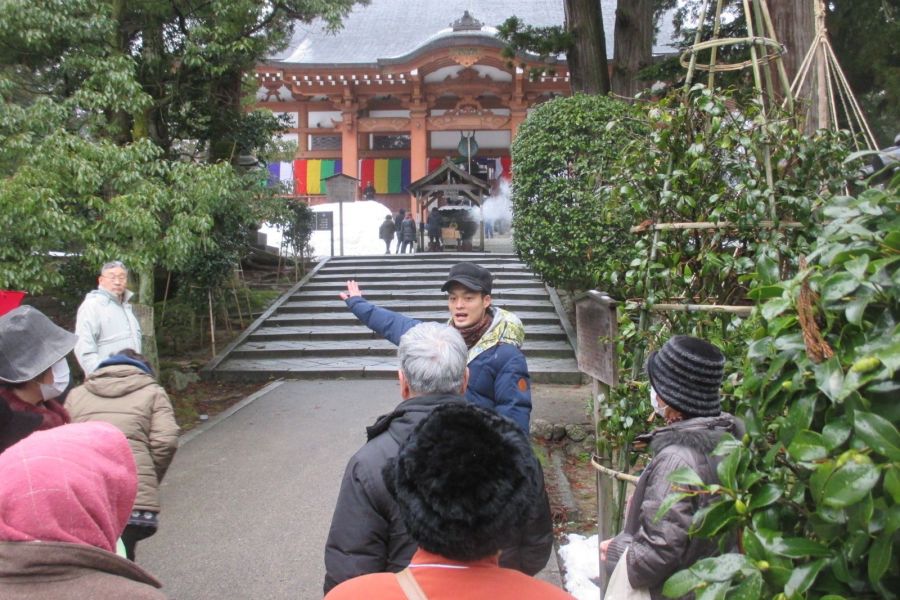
[
  {"x": 361, "y": 222},
  {"x": 581, "y": 564}
]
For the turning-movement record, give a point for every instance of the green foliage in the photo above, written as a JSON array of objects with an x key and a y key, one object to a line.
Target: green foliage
[
  {"x": 813, "y": 489},
  {"x": 560, "y": 153}
]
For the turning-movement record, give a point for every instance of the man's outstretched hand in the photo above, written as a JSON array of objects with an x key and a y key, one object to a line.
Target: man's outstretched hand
[{"x": 352, "y": 290}]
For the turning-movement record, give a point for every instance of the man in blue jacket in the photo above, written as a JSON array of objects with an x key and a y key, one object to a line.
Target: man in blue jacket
[{"x": 498, "y": 373}]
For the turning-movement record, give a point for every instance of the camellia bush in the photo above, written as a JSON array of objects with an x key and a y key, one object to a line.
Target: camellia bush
[
  {"x": 560, "y": 156},
  {"x": 812, "y": 492}
]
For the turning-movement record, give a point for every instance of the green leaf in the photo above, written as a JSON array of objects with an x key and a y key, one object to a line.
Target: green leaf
[
  {"x": 680, "y": 584},
  {"x": 714, "y": 591},
  {"x": 775, "y": 543},
  {"x": 710, "y": 520},
  {"x": 773, "y": 308},
  {"x": 838, "y": 286},
  {"x": 880, "y": 556},
  {"x": 857, "y": 267},
  {"x": 765, "y": 292},
  {"x": 764, "y": 496},
  {"x": 803, "y": 577},
  {"x": 878, "y": 433},
  {"x": 767, "y": 270},
  {"x": 836, "y": 432},
  {"x": 829, "y": 377},
  {"x": 850, "y": 482},
  {"x": 892, "y": 483},
  {"x": 749, "y": 589},
  {"x": 808, "y": 446},
  {"x": 855, "y": 310},
  {"x": 721, "y": 568},
  {"x": 727, "y": 469},
  {"x": 669, "y": 501},
  {"x": 686, "y": 476}
]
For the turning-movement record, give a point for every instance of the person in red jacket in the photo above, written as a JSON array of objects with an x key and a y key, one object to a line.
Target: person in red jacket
[{"x": 462, "y": 482}]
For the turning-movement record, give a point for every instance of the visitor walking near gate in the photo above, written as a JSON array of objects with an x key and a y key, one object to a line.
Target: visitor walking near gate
[
  {"x": 408, "y": 234},
  {"x": 499, "y": 378},
  {"x": 434, "y": 230},
  {"x": 386, "y": 233},
  {"x": 398, "y": 219},
  {"x": 367, "y": 534}
]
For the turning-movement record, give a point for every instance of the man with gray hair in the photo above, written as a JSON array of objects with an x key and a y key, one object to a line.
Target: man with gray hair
[
  {"x": 106, "y": 323},
  {"x": 367, "y": 534}
]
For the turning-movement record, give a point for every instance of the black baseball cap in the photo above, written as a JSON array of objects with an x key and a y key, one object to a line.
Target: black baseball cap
[{"x": 471, "y": 276}]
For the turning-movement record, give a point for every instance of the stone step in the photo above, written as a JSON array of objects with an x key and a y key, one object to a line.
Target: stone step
[
  {"x": 377, "y": 347},
  {"x": 359, "y": 331},
  {"x": 310, "y": 333},
  {"x": 542, "y": 370},
  {"x": 380, "y": 295},
  {"x": 407, "y": 306},
  {"x": 345, "y": 317}
]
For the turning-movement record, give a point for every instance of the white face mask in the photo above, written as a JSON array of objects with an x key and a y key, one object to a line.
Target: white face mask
[
  {"x": 654, "y": 402},
  {"x": 60, "y": 370}
]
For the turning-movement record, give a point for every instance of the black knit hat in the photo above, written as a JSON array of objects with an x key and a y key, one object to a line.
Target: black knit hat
[
  {"x": 686, "y": 373},
  {"x": 464, "y": 481},
  {"x": 16, "y": 425}
]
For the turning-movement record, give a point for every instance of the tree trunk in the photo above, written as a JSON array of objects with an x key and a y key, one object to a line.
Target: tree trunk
[
  {"x": 633, "y": 46},
  {"x": 226, "y": 91},
  {"x": 795, "y": 28},
  {"x": 588, "y": 68}
]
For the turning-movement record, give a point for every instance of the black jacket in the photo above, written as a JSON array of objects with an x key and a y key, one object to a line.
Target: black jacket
[{"x": 367, "y": 534}]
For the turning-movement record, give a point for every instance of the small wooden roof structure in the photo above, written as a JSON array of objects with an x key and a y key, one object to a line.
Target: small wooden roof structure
[
  {"x": 449, "y": 178},
  {"x": 450, "y": 181}
]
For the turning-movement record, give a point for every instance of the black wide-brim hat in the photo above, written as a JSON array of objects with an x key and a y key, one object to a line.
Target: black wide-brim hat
[
  {"x": 30, "y": 343},
  {"x": 687, "y": 373}
]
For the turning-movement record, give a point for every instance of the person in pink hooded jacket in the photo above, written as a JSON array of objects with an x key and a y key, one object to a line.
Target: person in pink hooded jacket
[{"x": 65, "y": 496}]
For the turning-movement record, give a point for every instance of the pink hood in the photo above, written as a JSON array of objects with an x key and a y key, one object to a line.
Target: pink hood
[{"x": 74, "y": 483}]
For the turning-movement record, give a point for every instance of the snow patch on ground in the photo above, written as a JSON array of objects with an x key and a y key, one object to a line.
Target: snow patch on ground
[{"x": 580, "y": 557}]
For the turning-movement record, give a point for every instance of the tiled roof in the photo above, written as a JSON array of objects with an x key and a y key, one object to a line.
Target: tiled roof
[{"x": 389, "y": 29}]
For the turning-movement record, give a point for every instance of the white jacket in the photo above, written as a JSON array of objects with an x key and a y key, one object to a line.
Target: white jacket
[{"x": 104, "y": 326}]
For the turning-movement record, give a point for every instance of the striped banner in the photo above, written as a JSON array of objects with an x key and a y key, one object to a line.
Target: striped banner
[
  {"x": 308, "y": 175},
  {"x": 388, "y": 175},
  {"x": 281, "y": 172}
]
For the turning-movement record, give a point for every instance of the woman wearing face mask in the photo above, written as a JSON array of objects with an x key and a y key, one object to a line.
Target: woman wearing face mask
[
  {"x": 33, "y": 368},
  {"x": 685, "y": 376}
]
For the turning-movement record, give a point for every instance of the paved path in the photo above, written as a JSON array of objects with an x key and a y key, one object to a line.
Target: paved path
[{"x": 247, "y": 502}]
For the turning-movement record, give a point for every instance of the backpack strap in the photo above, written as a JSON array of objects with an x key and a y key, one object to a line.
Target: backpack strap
[{"x": 410, "y": 586}]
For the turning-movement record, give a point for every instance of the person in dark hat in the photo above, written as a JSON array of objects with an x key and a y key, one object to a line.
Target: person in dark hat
[
  {"x": 499, "y": 378},
  {"x": 367, "y": 534},
  {"x": 685, "y": 376},
  {"x": 33, "y": 367},
  {"x": 15, "y": 425},
  {"x": 462, "y": 482}
]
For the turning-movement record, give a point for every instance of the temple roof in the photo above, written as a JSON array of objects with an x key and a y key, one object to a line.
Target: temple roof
[{"x": 387, "y": 30}]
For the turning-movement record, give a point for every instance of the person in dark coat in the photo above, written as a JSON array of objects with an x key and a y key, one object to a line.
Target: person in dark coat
[
  {"x": 499, "y": 378},
  {"x": 386, "y": 232},
  {"x": 685, "y": 376},
  {"x": 367, "y": 533},
  {"x": 434, "y": 230},
  {"x": 15, "y": 425},
  {"x": 398, "y": 219},
  {"x": 462, "y": 482},
  {"x": 407, "y": 234}
]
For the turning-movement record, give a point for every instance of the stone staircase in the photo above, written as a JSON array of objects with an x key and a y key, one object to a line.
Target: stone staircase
[{"x": 310, "y": 334}]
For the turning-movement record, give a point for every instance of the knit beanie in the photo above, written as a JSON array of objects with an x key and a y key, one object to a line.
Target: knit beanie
[{"x": 686, "y": 373}]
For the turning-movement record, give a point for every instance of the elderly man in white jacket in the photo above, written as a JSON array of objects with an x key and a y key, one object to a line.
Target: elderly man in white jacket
[{"x": 106, "y": 322}]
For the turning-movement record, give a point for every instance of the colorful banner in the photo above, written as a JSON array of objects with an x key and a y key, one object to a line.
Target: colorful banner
[
  {"x": 308, "y": 175},
  {"x": 388, "y": 175},
  {"x": 281, "y": 172}
]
